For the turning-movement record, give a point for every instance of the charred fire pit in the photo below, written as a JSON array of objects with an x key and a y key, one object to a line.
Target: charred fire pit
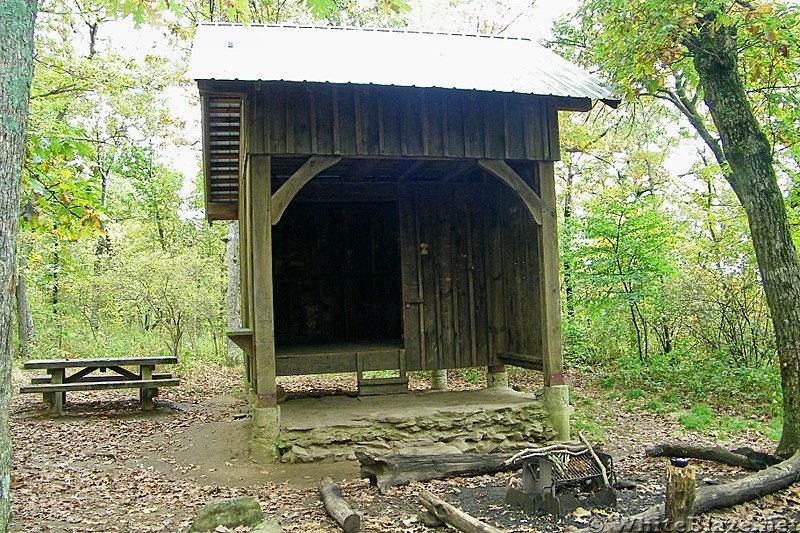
[{"x": 559, "y": 479}]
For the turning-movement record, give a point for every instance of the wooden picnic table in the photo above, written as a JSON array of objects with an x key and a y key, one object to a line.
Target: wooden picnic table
[{"x": 57, "y": 383}]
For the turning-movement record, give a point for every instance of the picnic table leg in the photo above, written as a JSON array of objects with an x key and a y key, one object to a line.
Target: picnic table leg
[
  {"x": 56, "y": 378},
  {"x": 146, "y": 395},
  {"x": 49, "y": 397}
]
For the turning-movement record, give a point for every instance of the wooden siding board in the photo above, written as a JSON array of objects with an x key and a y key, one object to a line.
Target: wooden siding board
[
  {"x": 493, "y": 126},
  {"x": 531, "y": 295},
  {"x": 411, "y": 117},
  {"x": 347, "y": 119},
  {"x": 463, "y": 301},
  {"x": 496, "y": 294},
  {"x": 254, "y": 116},
  {"x": 453, "y": 124},
  {"x": 412, "y": 295},
  {"x": 391, "y": 131},
  {"x": 299, "y": 117},
  {"x": 323, "y": 121},
  {"x": 533, "y": 123},
  {"x": 427, "y": 247},
  {"x": 368, "y": 121},
  {"x": 443, "y": 256},
  {"x": 432, "y": 126},
  {"x": 478, "y": 271},
  {"x": 276, "y": 107},
  {"x": 554, "y": 151},
  {"x": 474, "y": 129},
  {"x": 514, "y": 128}
]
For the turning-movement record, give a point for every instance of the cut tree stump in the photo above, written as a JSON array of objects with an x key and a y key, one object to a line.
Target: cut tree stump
[
  {"x": 679, "y": 498},
  {"x": 748, "y": 460},
  {"x": 712, "y": 497},
  {"x": 394, "y": 470},
  {"x": 453, "y": 516},
  {"x": 337, "y": 507}
]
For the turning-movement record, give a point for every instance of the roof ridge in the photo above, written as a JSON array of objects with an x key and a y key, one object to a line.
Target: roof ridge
[{"x": 370, "y": 29}]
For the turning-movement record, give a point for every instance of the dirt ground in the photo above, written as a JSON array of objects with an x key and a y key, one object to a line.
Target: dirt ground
[{"x": 106, "y": 466}]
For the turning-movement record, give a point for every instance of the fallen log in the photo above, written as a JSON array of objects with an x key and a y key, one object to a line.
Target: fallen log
[
  {"x": 337, "y": 507},
  {"x": 751, "y": 461},
  {"x": 393, "y": 470},
  {"x": 453, "y": 516},
  {"x": 712, "y": 497}
]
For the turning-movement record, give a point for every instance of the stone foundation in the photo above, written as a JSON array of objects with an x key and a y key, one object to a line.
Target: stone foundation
[{"x": 432, "y": 422}]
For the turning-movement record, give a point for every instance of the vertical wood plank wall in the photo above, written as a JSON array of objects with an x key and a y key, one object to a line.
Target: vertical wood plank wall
[
  {"x": 308, "y": 118},
  {"x": 469, "y": 254}
]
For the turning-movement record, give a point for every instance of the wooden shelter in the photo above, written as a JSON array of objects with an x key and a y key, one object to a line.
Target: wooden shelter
[{"x": 396, "y": 199}]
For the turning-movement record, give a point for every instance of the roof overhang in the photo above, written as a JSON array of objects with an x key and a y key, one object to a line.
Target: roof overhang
[
  {"x": 390, "y": 58},
  {"x": 228, "y": 59}
]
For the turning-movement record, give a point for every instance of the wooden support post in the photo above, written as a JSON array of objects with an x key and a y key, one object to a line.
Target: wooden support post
[
  {"x": 556, "y": 394},
  {"x": 146, "y": 395},
  {"x": 56, "y": 378},
  {"x": 263, "y": 312},
  {"x": 439, "y": 379},
  {"x": 246, "y": 270},
  {"x": 266, "y": 414},
  {"x": 496, "y": 377},
  {"x": 679, "y": 499}
]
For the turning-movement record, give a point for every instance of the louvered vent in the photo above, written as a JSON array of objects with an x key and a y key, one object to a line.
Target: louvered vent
[{"x": 224, "y": 121}]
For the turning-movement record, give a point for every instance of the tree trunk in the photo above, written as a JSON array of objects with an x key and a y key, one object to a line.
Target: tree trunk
[
  {"x": 567, "y": 265},
  {"x": 16, "y": 70},
  {"x": 232, "y": 296},
  {"x": 753, "y": 179},
  {"x": 24, "y": 318},
  {"x": 394, "y": 470}
]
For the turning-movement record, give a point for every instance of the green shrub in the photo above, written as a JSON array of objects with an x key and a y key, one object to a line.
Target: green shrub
[
  {"x": 699, "y": 418},
  {"x": 635, "y": 394}
]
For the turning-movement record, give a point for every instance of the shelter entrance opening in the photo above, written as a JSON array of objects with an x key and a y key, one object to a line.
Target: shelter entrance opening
[{"x": 336, "y": 268}]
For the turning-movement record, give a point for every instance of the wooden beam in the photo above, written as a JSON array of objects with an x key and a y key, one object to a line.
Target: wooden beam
[
  {"x": 262, "y": 299},
  {"x": 408, "y": 172},
  {"x": 360, "y": 169},
  {"x": 458, "y": 171},
  {"x": 206, "y": 158},
  {"x": 310, "y": 169},
  {"x": 500, "y": 169},
  {"x": 550, "y": 289},
  {"x": 222, "y": 211}
]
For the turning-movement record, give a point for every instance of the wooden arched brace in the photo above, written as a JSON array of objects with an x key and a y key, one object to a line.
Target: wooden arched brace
[
  {"x": 311, "y": 168},
  {"x": 500, "y": 169}
]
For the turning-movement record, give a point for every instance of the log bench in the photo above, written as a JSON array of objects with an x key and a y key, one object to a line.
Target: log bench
[{"x": 57, "y": 383}]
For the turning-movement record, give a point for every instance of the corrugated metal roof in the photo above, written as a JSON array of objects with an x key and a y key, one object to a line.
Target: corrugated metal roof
[{"x": 386, "y": 57}]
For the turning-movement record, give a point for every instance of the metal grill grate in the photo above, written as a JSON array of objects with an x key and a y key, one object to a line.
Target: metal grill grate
[{"x": 568, "y": 468}]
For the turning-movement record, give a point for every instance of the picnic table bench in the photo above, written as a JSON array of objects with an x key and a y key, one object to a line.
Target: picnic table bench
[{"x": 57, "y": 383}]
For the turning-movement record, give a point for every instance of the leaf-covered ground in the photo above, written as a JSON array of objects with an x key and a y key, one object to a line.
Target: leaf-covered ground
[{"x": 106, "y": 466}]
